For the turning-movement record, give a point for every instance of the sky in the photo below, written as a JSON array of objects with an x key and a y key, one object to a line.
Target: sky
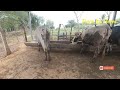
[{"x": 62, "y": 17}]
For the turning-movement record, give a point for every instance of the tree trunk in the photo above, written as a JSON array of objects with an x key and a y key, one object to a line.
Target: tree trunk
[
  {"x": 70, "y": 33},
  {"x": 25, "y": 33},
  {"x": 114, "y": 17},
  {"x": 6, "y": 47}
]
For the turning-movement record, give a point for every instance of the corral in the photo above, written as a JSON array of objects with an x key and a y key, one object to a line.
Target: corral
[{"x": 27, "y": 62}]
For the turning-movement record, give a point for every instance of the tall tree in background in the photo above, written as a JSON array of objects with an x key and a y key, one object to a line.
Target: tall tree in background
[
  {"x": 108, "y": 14},
  {"x": 5, "y": 44},
  {"x": 22, "y": 18},
  {"x": 117, "y": 21},
  {"x": 102, "y": 18},
  {"x": 114, "y": 18},
  {"x": 78, "y": 15},
  {"x": 8, "y": 20},
  {"x": 71, "y": 24},
  {"x": 36, "y": 21},
  {"x": 3, "y": 24},
  {"x": 50, "y": 24}
]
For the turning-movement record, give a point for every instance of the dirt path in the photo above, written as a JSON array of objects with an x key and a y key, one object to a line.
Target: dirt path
[{"x": 28, "y": 63}]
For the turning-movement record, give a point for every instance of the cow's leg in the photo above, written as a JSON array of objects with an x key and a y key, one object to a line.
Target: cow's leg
[
  {"x": 49, "y": 58},
  {"x": 39, "y": 46},
  {"x": 83, "y": 48},
  {"x": 45, "y": 56},
  {"x": 103, "y": 53},
  {"x": 109, "y": 48},
  {"x": 96, "y": 52}
]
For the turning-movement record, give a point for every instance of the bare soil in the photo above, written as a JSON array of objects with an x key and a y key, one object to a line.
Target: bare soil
[{"x": 28, "y": 63}]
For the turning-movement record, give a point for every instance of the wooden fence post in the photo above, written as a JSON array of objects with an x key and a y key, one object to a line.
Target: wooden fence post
[{"x": 59, "y": 30}]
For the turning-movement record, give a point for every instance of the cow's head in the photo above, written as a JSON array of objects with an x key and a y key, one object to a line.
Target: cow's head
[{"x": 76, "y": 38}]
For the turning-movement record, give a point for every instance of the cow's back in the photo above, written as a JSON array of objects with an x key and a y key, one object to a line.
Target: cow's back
[{"x": 95, "y": 34}]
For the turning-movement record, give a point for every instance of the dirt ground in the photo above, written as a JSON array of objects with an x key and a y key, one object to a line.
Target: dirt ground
[{"x": 28, "y": 63}]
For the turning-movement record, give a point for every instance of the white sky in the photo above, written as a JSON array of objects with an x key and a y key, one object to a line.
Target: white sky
[{"x": 62, "y": 17}]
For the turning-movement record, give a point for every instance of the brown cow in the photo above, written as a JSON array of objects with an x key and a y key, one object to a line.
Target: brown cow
[{"x": 98, "y": 37}]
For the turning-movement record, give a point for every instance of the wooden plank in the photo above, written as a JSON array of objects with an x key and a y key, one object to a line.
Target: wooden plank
[
  {"x": 56, "y": 45},
  {"x": 66, "y": 46},
  {"x": 61, "y": 41},
  {"x": 32, "y": 44}
]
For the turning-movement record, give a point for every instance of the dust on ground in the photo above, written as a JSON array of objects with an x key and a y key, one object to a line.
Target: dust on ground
[{"x": 28, "y": 63}]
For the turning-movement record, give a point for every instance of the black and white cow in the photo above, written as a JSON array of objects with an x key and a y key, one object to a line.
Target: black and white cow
[{"x": 97, "y": 37}]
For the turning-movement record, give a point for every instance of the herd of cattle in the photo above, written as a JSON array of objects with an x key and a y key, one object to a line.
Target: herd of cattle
[{"x": 100, "y": 37}]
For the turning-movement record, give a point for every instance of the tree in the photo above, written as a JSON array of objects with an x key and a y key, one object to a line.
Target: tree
[
  {"x": 114, "y": 17},
  {"x": 78, "y": 15},
  {"x": 117, "y": 21},
  {"x": 103, "y": 18},
  {"x": 50, "y": 24},
  {"x": 7, "y": 21},
  {"x": 11, "y": 20},
  {"x": 22, "y": 18},
  {"x": 3, "y": 36},
  {"x": 36, "y": 21},
  {"x": 108, "y": 13},
  {"x": 71, "y": 24}
]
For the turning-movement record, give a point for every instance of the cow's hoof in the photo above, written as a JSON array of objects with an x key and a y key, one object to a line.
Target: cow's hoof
[
  {"x": 47, "y": 60},
  {"x": 50, "y": 59},
  {"x": 81, "y": 53},
  {"x": 92, "y": 60}
]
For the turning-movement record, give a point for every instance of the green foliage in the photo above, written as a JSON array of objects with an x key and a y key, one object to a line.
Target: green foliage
[
  {"x": 36, "y": 21},
  {"x": 117, "y": 21},
  {"x": 11, "y": 20},
  {"x": 50, "y": 24},
  {"x": 103, "y": 17},
  {"x": 71, "y": 23}
]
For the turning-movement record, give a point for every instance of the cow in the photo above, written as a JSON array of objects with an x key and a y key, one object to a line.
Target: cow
[
  {"x": 115, "y": 36},
  {"x": 77, "y": 38},
  {"x": 98, "y": 38},
  {"x": 43, "y": 38}
]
